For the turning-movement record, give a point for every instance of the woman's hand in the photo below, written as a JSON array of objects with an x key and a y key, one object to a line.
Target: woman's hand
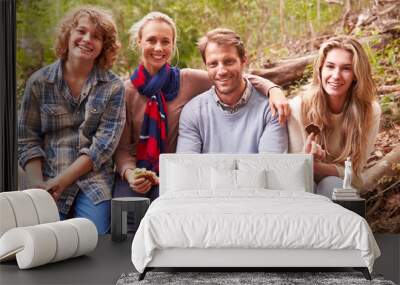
[
  {"x": 313, "y": 148},
  {"x": 141, "y": 185}
]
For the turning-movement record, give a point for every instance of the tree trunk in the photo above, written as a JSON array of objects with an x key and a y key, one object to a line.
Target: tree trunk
[
  {"x": 383, "y": 167},
  {"x": 287, "y": 71},
  {"x": 346, "y": 15},
  {"x": 282, "y": 19},
  {"x": 388, "y": 89}
]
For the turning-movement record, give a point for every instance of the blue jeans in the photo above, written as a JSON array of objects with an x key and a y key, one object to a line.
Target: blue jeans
[
  {"x": 122, "y": 189},
  {"x": 99, "y": 214},
  {"x": 327, "y": 184}
]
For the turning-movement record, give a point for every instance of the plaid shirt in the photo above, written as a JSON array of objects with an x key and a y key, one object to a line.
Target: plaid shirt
[
  {"x": 58, "y": 127},
  {"x": 242, "y": 101}
]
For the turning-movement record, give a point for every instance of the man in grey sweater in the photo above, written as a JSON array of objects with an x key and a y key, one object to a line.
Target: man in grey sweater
[{"x": 231, "y": 117}]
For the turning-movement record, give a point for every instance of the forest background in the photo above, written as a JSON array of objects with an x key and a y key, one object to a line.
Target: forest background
[{"x": 281, "y": 38}]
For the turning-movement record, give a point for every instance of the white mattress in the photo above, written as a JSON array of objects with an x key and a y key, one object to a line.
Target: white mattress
[{"x": 252, "y": 218}]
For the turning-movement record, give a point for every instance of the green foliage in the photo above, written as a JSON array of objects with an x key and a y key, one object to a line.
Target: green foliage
[
  {"x": 293, "y": 89},
  {"x": 390, "y": 105},
  {"x": 262, "y": 27},
  {"x": 385, "y": 61},
  {"x": 385, "y": 64}
]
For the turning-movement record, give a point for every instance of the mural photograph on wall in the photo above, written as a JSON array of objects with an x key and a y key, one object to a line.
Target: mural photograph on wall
[{"x": 70, "y": 132}]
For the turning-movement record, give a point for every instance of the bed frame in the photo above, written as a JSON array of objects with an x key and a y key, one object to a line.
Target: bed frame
[{"x": 242, "y": 259}]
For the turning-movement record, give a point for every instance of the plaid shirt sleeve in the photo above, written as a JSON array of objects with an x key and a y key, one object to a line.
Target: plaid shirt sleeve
[
  {"x": 110, "y": 128},
  {"x": 29, "y": 125}
]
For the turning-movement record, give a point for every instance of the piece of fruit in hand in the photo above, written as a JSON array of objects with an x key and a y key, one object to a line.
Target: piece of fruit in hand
[{"x": 144, "y": 173}]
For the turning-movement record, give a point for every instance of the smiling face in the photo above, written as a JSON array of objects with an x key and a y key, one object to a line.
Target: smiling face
[
  {"x": 224, "y": 68},
  {"x": 337, "y": 72},
  {"x": 85, "y": 42},
  {"x": 157, "y": 44}
]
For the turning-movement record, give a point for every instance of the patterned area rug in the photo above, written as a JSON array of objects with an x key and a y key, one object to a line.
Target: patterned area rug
[{"x": 243, "y": 278}]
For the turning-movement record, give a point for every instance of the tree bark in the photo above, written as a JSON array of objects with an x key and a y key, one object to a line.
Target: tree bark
[
  {"x": 282, "y": 20},
  {"x": 388, "y": 89},
  {"x": 347, "y": 5},
  {"x": 383, "y": 167},
  {"x": 287, "y": 71}
]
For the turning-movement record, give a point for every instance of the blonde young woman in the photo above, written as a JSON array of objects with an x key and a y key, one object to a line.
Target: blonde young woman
[
  {"x": 341, "y": 102},
  {"x": 155, "y": 96},
  {"x": 72, "y": 116}
]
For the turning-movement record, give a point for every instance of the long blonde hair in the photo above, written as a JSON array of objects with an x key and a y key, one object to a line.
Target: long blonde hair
[{"x": 357, "y": 110}]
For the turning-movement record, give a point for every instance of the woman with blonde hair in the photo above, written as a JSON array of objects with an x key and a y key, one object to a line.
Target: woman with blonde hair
[
  {"x": 341, "y": 102},
  {"x": 155, "y": 96},
  {"x": 72, "y": 116}
]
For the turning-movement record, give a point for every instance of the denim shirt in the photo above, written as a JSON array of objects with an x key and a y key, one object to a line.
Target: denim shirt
[{"x": 58, "y": 127}]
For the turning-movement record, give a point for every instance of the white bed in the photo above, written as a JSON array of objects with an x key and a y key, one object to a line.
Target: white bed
[{"x": 247, "y": 210}]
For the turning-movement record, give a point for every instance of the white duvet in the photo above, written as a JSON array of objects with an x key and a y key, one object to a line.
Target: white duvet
[{"x": 252, "y": 218}]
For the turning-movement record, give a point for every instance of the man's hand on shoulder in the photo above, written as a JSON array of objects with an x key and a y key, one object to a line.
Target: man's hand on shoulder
[{"x": 279, "y": 103}]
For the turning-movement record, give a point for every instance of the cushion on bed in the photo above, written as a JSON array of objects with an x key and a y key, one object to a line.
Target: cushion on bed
[
  {"x": 193, "y": 175},
  {"x": 252, "y": 178},
  {"x": 223, "y": 179},
  {"x": 194, "y": 172},
  {"x": 236, "y": 179},
  {"x": 281, "y": 174},
  {"x": 187, "y": 177}
]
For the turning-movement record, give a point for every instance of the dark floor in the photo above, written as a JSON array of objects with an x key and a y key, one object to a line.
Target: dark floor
[
  {"x": 389, "y": 262},
  {"x": 111, "y": 259},
  {"x": 102, "y": 266}
]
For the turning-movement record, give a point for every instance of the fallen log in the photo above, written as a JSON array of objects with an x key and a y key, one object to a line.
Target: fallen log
[
  {"x": 383, "y": 167},
  {"x": 388, "y": 89},
  {"x": 287, "y": 71}
]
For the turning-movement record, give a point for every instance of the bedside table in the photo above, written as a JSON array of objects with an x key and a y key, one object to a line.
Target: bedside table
[
  {"x": 120, "y": 207},
  {"x": 357, "y": 205}
]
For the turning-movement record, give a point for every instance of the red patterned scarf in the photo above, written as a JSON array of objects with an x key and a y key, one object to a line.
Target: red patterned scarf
[{"x": 160, "y": 88}]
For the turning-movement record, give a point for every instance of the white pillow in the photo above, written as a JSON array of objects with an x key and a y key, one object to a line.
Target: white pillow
[
  {"x": 186, "y": 174},
  {"x": 282, "y": 174},
  {"x": 280, "y": 180},
  {"x": 187, "y": 177},
  {"x": 223, "y": 179},
  {"x": 236, "y": 179},
  {"x": 251, "y": 178}
]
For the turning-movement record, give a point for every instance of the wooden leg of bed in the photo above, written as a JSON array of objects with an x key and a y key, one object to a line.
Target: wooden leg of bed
[
  {"x": 364, "y": 271},
  {"x": 142, "y": 275}
]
